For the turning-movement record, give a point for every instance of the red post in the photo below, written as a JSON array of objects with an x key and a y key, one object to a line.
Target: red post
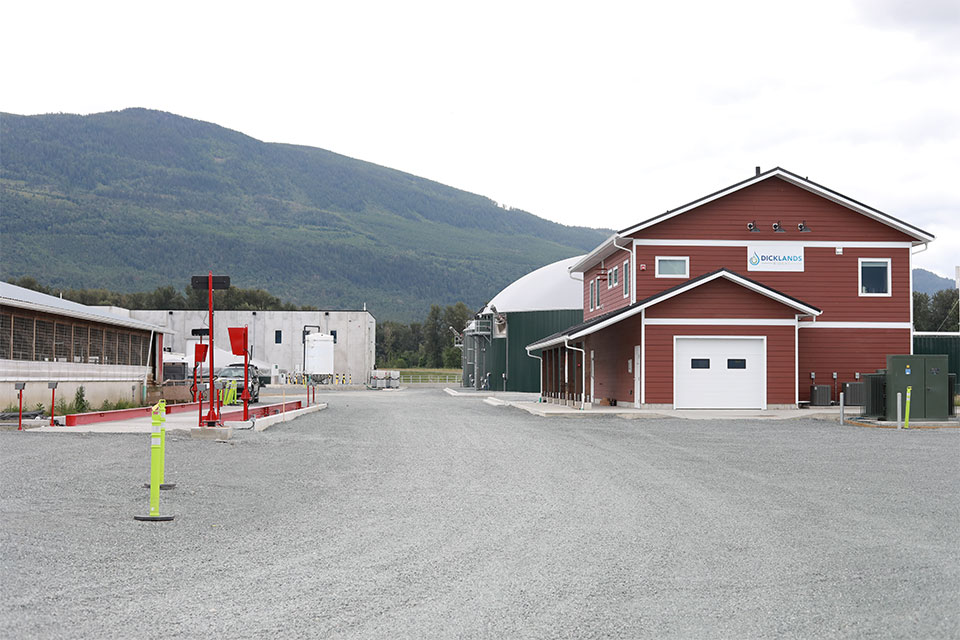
[
  {"x": 246, "y": 383},
  {"x": 212, "y": 416},
  {"x": 20, "y": 420},
  {"x": 53, "y": 397}
]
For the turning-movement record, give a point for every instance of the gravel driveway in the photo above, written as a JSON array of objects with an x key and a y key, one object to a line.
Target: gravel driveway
[{"x": 416, "y": 515}]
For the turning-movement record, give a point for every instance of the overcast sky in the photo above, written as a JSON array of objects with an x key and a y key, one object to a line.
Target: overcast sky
[{"x": 599, "y": 113}]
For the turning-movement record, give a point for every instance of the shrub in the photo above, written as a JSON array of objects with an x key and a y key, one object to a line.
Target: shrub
[{"x": 80, "y": 404}]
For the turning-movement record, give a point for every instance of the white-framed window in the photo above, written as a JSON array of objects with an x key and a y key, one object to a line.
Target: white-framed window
[
  {"x": 673, "y": 267},
  {"x": 593, "y": 286},
  {"x": 873, "y": 277},
  {"x": 613, "y": 277},
  {"x": 626, "y": 278},
  {"x": 597, "y": 300}
]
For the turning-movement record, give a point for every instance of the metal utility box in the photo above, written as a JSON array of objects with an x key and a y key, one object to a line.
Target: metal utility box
[
  {"x": 875, "y": 400},
  {"x": 318, "y": 354},
  {"x": 854, "y": 394},
  {"x": 820, "y": 395},
  {"x": 927, "y": 376}
]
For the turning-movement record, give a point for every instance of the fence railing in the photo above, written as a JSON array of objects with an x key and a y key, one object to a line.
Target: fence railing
[{"x": 414, "y": 378}]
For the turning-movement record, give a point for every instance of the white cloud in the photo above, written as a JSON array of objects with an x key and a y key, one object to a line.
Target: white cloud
[{"x": 599, "y": 114}]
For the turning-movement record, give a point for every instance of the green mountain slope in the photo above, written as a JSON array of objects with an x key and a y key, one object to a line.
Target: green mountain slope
[{"x": 136, "y": 199}]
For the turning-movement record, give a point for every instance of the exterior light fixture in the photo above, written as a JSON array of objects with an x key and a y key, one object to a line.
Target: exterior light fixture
[
  {"x": 803, "y": 228},
  {"x": 778, "y": 228},
  {"x": 752, "y": 227}
]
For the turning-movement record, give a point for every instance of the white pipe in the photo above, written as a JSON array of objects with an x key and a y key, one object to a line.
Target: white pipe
[
  {"x": 541, "y": 371},
  {"x": 583, "y": 373}
]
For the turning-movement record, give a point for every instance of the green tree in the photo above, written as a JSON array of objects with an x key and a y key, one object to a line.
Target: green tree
[
  {"x": 921, "y": 311},
  {"x": 943, "y": 310}
]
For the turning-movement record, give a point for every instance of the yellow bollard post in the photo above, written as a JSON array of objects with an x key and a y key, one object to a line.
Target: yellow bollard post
[
  {"x": 906, "y": 421},
  {"x": 158, "y": 416},
  {"x": 155, "y": 469}
]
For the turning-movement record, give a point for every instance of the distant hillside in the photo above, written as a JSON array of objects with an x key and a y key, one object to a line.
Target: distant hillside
[
  {"x": 137, "y": 199},
  {"x": 928, "y": 282}
]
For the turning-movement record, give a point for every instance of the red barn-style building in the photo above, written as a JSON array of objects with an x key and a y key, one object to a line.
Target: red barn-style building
[{"x": 740, "y": 299}]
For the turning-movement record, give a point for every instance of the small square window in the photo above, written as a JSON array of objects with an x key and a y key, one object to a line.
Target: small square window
[
  {"x": 672, "y": 267},
  {"x": 736, "y": 363},
  {"x": 700, "y": 363},
  {"x": 278, "y": 336},
  {"x": 874, "y": 277}
]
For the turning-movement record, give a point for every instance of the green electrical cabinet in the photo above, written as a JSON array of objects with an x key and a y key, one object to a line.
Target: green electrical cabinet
[{"x": 926, "y": 375}]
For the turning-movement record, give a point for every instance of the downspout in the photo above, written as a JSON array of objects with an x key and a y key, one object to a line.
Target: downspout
[
  {"x": 540, "y": 377},
  {"x": 583, "y": 373},
  {"x": 910, "y": 267}
]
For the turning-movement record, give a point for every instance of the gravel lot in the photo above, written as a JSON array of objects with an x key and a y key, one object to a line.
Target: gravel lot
[{"x": 413, "y": 514}]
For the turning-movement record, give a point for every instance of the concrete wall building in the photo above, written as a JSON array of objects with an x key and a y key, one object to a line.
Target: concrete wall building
[
  {"x": 276, "y": 337},
  {"x": 47, "y": 339},
  {"x": 740, "y": 299}
]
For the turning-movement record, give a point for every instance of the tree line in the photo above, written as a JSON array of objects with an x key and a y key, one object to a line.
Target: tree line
[
  {"x": 423, "y": 344},
  {"x": 937, "y": 312},
  {"x": 168, "y": 297}
]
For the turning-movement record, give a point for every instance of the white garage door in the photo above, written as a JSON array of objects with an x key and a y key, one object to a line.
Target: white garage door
[{"x": 714, "y": 372}]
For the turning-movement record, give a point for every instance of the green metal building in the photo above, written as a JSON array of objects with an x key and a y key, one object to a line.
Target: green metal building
[{"x": 535, "y": 306}]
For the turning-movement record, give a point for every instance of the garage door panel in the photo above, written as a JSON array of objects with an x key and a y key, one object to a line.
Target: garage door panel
[{"x": 713, "y": 372}]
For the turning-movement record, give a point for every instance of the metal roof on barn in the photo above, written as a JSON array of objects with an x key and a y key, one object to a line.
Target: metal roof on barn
[{"x": 14, "y": 296}]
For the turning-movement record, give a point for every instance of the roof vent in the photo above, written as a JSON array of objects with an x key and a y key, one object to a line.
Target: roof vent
[{"x": 758, "y": 170}]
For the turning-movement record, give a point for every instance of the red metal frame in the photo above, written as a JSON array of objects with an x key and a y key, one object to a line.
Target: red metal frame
[
  {"x": 20, "y": 419},
  {"x": 213, "y": 417}
]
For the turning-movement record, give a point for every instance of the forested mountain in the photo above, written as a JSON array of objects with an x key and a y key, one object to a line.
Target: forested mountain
[{"x": 137, "y": 199}]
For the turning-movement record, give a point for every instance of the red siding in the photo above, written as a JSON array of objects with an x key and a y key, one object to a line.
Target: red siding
[
  {"x": 828, "y": 282},
  {"x": 780, "y": 353},
  {"x": 613, "y": 347},
  {"x": 846, "y": 351},
  {"x": 767, "y": 202},
  {"x": 720, "y": 299},
  {"x": 612, "y": 298}
]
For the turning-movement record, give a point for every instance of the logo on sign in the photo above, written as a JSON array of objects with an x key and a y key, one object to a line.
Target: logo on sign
[{"x": 780, "y": 256}]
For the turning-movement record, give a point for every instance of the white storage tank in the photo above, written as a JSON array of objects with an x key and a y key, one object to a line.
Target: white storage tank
[{"x": 318, "y": 354}]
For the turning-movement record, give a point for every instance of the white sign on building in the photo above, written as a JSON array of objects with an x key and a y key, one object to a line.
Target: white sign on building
[{"x": 780, "y": 256}]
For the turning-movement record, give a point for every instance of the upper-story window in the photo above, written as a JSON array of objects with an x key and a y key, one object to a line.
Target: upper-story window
[
  {"x": 278, "y": 336},
  {"x": 626, "y": 278},
  {"x": 593, "y": 286},
  {"x": 874, "y": 277},
  {"x": 613, "y": 277},
  {"x": 673, "y": 267}
]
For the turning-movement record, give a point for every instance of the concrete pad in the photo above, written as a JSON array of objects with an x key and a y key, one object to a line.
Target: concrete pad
[
  {"x": 549, "y": 410},
  {"x": 262, "y": 424},
  {"x": 211, "y": 433}
]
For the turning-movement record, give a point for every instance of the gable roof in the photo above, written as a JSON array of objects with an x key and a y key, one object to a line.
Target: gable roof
[
  {"x": 601, "y": 322},
  {"x": 14, "y": 296},
  {"x": 915, "y": 232},
  {"x": 608, "y": 246}
]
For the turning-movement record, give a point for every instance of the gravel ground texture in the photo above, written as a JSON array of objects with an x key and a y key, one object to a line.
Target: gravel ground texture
[{"x": 414, "y": 514}]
